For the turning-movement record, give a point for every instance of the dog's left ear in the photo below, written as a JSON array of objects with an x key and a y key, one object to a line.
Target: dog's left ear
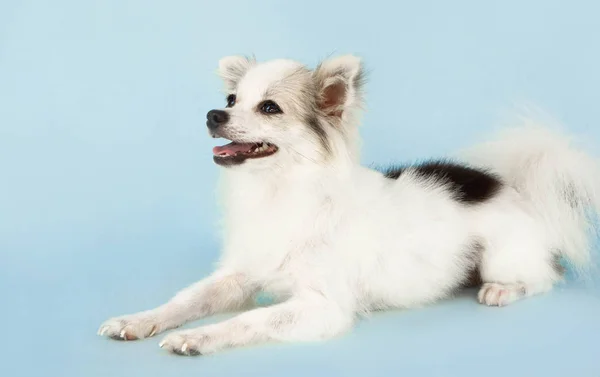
[
  {"x": 339, "y": 83},
  {"x": 233, "y": 68}
]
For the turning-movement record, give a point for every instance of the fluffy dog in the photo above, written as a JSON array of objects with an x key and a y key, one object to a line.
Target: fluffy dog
[{"x": 334, "y": 240}]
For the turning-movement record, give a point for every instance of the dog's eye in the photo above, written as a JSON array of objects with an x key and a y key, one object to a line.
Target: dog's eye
[
  {"x": 231, "y": 100},
  {"x": 270, "y": 107}
]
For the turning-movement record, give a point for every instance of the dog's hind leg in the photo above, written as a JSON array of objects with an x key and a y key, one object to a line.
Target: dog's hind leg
[{"x": 514, "y": 268}]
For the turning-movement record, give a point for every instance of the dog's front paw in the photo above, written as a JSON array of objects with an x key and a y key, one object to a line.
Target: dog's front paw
[
  {"x": 130, "y": 327},
  {"x": 187, "y": 342}
]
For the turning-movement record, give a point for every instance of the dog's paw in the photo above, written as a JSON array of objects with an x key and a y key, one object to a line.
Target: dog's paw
[
  {"x": 187, "y": 342},
  {"x": 496, "y": 294},
  {"x": 130, "y": 327}
]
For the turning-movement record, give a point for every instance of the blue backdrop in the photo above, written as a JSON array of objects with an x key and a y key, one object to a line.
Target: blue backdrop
[{"x": 107, "y": 181}]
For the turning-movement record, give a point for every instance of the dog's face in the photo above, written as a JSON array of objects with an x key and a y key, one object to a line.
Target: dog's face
[{"x": 280, "y": 113}]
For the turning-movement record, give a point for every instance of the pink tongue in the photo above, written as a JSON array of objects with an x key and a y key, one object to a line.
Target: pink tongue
[{"x": 232, "y": 148}]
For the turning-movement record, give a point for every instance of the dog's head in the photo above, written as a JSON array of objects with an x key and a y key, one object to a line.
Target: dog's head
[{"x": 280, "y": 113}]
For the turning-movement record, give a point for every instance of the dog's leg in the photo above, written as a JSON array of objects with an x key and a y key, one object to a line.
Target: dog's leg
[
  {"x": 299, "y": 319},
  {"x": 220, "y": 292}
]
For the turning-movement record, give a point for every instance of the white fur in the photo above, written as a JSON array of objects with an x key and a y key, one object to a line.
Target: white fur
[
  {"x": 541, "y": 163},
  {"x": 333, "y": 239}
]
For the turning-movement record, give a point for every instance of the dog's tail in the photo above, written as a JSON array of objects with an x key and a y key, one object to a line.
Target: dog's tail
[{"x": 561, "y": 182}]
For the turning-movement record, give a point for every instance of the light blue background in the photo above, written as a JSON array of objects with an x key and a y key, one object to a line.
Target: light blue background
[{"x": 106, "y": 176}]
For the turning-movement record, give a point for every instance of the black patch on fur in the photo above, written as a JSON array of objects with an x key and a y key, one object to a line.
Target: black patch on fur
[
  {"x": 467, "y": 184},
  {"x": 316, "y": 127},
  {"x": 473, "y": 255}
]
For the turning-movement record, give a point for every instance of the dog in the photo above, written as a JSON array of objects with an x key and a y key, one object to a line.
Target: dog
[{"x": 333, "y": 240}]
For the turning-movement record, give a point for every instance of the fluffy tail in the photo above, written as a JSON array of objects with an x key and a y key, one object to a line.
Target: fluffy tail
[{"x": 560, "y": 181}]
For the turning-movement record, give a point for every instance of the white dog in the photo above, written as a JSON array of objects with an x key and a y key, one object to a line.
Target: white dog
[{"x": 334, "y": 240}]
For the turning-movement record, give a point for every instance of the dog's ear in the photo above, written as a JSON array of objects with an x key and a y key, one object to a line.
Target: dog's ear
[
  {"x": 233, "y": 68},
  {"x": 339, "y": 83}
]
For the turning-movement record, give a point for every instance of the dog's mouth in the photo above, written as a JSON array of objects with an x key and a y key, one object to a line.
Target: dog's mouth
[{"x": 235, "y": 153}]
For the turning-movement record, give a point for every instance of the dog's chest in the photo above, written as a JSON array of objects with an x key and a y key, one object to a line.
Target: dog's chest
[{"x": 269, "y": 238}]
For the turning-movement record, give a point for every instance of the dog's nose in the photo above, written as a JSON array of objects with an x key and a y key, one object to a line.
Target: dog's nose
[{"x": 216, "y": 118}]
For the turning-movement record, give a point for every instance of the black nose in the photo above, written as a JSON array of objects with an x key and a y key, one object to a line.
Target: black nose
[{"x": 216, "y": 118}]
